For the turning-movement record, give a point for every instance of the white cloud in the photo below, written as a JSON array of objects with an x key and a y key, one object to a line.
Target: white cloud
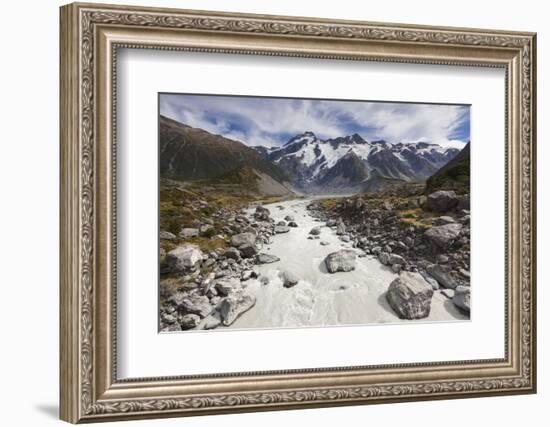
[{"x": 262, "y": 121}]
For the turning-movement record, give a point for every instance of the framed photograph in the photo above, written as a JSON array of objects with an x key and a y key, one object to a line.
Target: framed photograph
[{"x": 266, "y": 212}]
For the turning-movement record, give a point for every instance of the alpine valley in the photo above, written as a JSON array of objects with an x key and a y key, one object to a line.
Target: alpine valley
[{"x": 315, "y": 232}]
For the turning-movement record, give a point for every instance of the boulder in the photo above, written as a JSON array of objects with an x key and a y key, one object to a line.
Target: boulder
[
  {"x": 280, "y": 229},
  {"x": 290, "y": 279},
  {"x": 263, "y": 258},
  {"x": 342, "y": 260},
  {"x": 315, "y": 231},
  {"x": 261, "y": 213},
  {"x": 205, "y": 229},
  {"x": 289, "y": 218},
  {"x": 443, "y": 236},
  {"x": 182, "y": 258},
  {"x": 233, "y": 306},
  {"x": 331, "y": 223},
  {"x": 442, "y": 220},
  {"x": 166, "y": 235},
  {"x": 449, "y": 293},
  {"x": 434, "y": 283},
  {"x": 396, "y": 259},
  {"x": 340, "y": 227},
  {"x": 461, "y": 298},
  {"x": 292, "y": 224},
  {"x": 442, "y": 275},
  {"x": 232, "y": 253},
  {"x": 212, "y": 321},
  {"x": 248, "y": 250},
  {"x": 396, "y": 268},
  {"x": 384, "y": 258},
  {"x": 442, "y": 201},
  {"x": 171, "y": 328},
  {"x": 195, "y": 304},
  {"x": 241, "y": 239},
  {"x": 226, "y": 286},
  {"x": 188, "y": 233},
  {"x": 325, "y": 243},
  {"x": 189, "y": 321},
  {"x": 410, "y": 296}
]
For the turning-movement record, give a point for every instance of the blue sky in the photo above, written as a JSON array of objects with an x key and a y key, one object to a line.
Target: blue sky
[{"x": 273, "y": 121}]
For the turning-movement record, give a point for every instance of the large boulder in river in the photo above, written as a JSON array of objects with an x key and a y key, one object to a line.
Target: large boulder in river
[
  {"x": 261, "y": 213},
  {"x": 443, "y": 236},
  {"x": 233, "y": 306},
  {"x": 410, "y": 296},
  {"x": 266, "y": 258},
  {"x": 343, "y": 260},
  {"x": 182, "y": 258},
  {"x": 442, "y": 201},
  {"x": 289, "y": 279},
  {"x": 315, "y": 231},
  {"x": 461, "y": 298},
  {"x": 280, "y": 229}
]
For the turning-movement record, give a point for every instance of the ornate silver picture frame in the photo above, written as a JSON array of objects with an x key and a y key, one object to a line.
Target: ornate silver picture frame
[{"x": 91, "y": 37}]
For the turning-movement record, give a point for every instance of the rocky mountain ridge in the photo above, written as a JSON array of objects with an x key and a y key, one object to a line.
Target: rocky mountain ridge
[{"x": 352, "y": 164}]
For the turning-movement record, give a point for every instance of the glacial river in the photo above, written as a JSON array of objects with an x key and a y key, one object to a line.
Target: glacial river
[{"x": 321, "y": 298}]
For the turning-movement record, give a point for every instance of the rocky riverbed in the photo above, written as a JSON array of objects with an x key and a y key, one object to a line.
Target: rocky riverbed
[{"x": 319, "y": 262}]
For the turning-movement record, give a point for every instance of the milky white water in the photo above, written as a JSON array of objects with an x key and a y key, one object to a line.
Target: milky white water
[{"x": 321, "y": 298}]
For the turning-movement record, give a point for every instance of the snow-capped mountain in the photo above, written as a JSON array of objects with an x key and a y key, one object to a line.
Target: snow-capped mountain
[{"x": 351, "y": 163}]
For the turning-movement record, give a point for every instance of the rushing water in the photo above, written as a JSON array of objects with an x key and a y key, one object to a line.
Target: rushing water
[{"x": 321, "y": 298}]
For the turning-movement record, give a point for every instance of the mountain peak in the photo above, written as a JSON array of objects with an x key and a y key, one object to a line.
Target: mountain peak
[
  {"x": 305, "y": 136},
  {"x": 358, "y": 139}
]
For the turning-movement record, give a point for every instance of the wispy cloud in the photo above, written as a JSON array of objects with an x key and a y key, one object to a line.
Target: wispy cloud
[{"x": 272, "y": 121}]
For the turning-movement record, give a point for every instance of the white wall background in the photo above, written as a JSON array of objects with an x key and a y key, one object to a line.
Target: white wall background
[{"x": 29, "y": 170}]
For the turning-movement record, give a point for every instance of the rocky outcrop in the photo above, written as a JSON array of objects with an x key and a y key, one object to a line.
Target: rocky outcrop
[
  {"x": 442, "y": 201},
  {"x": 343, "y": 260},
  {"x": 410, "y": 296}
]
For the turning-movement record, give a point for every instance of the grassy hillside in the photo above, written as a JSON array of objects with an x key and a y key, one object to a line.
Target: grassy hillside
[
  {"x": 455, "y": 175},
  {"x": 188, "y": 153}
]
